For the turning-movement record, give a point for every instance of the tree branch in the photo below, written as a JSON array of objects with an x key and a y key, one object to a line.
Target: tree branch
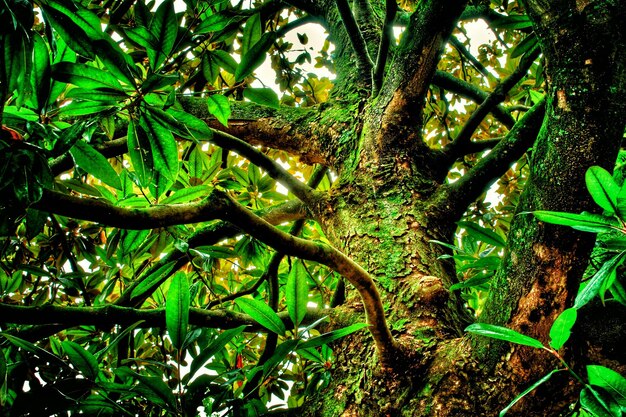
[
  {"x": 108, "y": 149},
  {"x": 471, "y": 58},
  {"x": 111, "y": 315},
  {"x": 383, "y": 47},
  {"x": 462, "y": 192},
  {"x": 455, "y": 148},
  {"x": 466, "y": 90},
  {"x": 326, "y": 255},
  {"x": 364, "y": 61}
]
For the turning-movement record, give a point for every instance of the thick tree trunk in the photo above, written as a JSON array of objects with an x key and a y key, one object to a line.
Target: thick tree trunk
[{"x": 386, "y": 226}]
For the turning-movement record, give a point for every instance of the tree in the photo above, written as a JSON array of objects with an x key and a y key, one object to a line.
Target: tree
[{"x": 175, "y": 236}]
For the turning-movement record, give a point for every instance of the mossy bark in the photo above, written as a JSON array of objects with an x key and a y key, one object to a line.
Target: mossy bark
[{"x": 382, "y": 214}]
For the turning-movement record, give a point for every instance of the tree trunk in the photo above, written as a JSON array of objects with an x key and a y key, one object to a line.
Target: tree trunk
[{"x": 384, "y": 216}]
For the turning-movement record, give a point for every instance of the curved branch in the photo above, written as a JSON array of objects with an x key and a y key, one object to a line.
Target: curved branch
[
  {"x": 458, "y": 45},
  {"x": 466, "y": 90},
  {"x": 111, "y": 315},
  {"x": 494, "y": 165},
  {"x": 101, "y": 211},
  {"x": 110, "y": 149},
  {"x": 326, "y": 255},
  {"x": 385, "y": 43},
  {"x": 498, "y": 95},
  {"x": 364, "y": 61}
]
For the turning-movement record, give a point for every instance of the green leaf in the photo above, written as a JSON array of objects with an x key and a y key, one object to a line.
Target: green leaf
[
  {"x": 592, "y": 288},
  {"x": 107, "y": 96},
  {"x": 562, "y": 328},
  {"x": 527, "y": 390},
  {"x": 185, "y": 195},
  {"x": 152, "y": 281},
  {"x": 255, "y": 56},
  {"x": 251, "y": 33},
  {"x": 326, "y": 338},
  {"x": 585, "y": 222},
  {"x": 131, "y": 240},
  {"x": 262, "y": 96},
  {"x": 262, "y": 314},
  {"x": 216, "y": 22},
  {"x": 225, "y": 61},
  {"x": 599, "y": 403},
  {"x": 195, "y": 128},
  {"x": 85, "y": 76},
  {"x": 83, "y": 360},
  {"x": 152, "y": 387},
  {"x": 279, "y": 355},
  {"x": 163, "y": 146},
  {"x": 483, "y": 234},
  {"x": 220, "y": 108},
  {"x": 527, "y": 44},
  {"x": 157, "y": 81},
  {"x": 502, "y": 333},
  {"x": 512, "y": 22},
  {"x": 72, "y": 27},
  {"x": 139, "y": 152},
  {"x": 34, "y": 349},
  {"x": 611, "y": 381},
  {"x": 164, "y": 27},
  {"x": 216, "y": 345},
  {"x": 40, "y": 79},
  {"x": 92, "y": 161},
  {"x": 475, "y": 281},
  {"x": 121, "y": 336},
  {"x": 602, "y": 188},
  {"x": 85, "y": 108},
  {"x": 177, "y": 309},
  {"x": 297, "y": 293}
]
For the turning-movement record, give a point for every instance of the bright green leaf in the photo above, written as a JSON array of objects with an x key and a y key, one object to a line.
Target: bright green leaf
[
  {"x": 83, "y": 360},
  {"x": 262, "y": 96},
  {"x": 215, "y": 346},
  {"x": 585, "y": 222},
  {"x": 297, "y": 292},
  {"x": 502, "y": 333},
  {"x": 527, "y": 390},
  {"x": 483, "y": 234},
  {"x": 92, "y": 161},
  {"x": 164, "y": 27},
  {"x": 150, "y": 282},
  {"x": 262, "y": 314},
  {"x": 599, "y": 403},
  {"x": 219, "y": 107},
  {"x": 255, "y": 56},
  {"x": 163, "y": 146},
  {"x": 85, "y": 76},
  {"x": 562, "y": 328},
  {"x": 602, "y": 188},
  {"x": 611, "y": 381},
  {"x": 177, "y": 309},
  {"x": 592, "y": 288},
  {"x": 326, "y": 338}
]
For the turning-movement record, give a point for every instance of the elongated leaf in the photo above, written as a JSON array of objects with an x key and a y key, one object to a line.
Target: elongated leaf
[
  {"x": 185, "y": 195},
  {"x": 163, "y": 146},
  {"x": 216, "y": 345},
  {"x": 262, "y": 314},
  {"x": 475, "y": 281},
  {"x": 40, "y": 79},
  {"x": 297, "y": 293},
  {"x": 106, "y": 96},
  {"x": 483, "y": 234},
  {"x": 95, "y": 163},
  {"x": 219, "y": 107},
  {"x": 177, "y": 309},
  {"x": 599, "y": 403},
  {"x": 216, "y": 22},
  {"x": 131, "y": 240},
  {"x": 562, "y": 328},
  {"x": 502, "y": 333},
  {"x": 326, "y": 338},
  {"x": 164, "y": 27},
  {"x": 112, "y": 344},
  {"x": 77, "y": 33},
  {"x": 602, "y": 188},
  {"x": 527, "y": 390},
  {"x": 152, "y": 281},
  {"x": 34, "y": 349},
  {"x": 527, "y": 44},
  {"x": 263, "y": 96},
  {"x": 279, "y": 355},
  {"x": 83, "y": 360},
  {"x": 512, "y": 22},
  {"x": 86, "y": 76},
  {"x": 151, "y": 386},
  {"x": 585, "y": 222},
  {"x": 255, "y": 56},
  {"x": 592, "y": 288},
  {"x": 251, "y": 33},
  {"x": 139, "y": 152},
  {"x": 85, "y": 108},
  {"x": 196, "y": 128},
  {"x": 225, "y": 61},
  {"x": 610, "y": 381}
]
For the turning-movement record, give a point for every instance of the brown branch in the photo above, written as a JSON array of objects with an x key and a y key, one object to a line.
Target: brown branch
[
  {"x": 462, "y": 192},
  {"x": 111, "y": 315},
  {"x": 498, "y": 95},
  {"x": 326, "y": 255},
  {"x": 471, "y": 92},
  {"x": 364, "y": 62}
]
